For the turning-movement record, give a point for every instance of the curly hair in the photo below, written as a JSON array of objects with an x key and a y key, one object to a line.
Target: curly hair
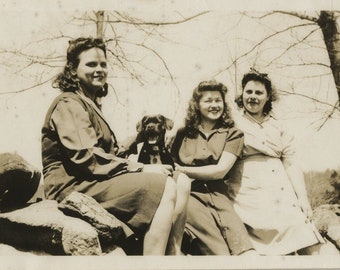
[
  {"x": 67, "y": 80},
  {"x": 193, "y": 118},
  {"x": 263, "y": 78}
]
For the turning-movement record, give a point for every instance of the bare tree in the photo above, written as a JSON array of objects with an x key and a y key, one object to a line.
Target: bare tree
[
  {"x": 103, "y": 24},
  {"x": 327, "y": 21}
]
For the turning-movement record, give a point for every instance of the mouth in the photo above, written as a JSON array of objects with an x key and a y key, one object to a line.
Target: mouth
[
  {"x": 253, "y": 102},
  {"x": 153, "y": 139},
  {"x": 214, "y": 111}
]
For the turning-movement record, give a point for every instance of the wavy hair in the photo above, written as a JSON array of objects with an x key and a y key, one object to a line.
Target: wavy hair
[
  {"x": 193, "y": 118},
  {"x": 67, "y": 80},
  {"x": 263, "y": 78}
]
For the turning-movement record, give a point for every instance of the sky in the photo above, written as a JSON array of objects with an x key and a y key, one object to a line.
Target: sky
[{"x": 193, "y": 52}]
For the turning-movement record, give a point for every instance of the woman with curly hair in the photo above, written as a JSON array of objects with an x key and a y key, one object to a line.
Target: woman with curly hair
[
  {"x": 79, "y": 153},
  {"x": 266, "y": 184},
  {"x": 206, "y": 149}
]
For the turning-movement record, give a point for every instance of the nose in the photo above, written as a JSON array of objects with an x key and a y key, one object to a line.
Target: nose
[
  {"x": 99, "y": 68},
  {"x": 214, "y": 104},
  {"x": 150, "y": 128}
]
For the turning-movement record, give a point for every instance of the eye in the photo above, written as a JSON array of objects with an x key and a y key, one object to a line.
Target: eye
[
  {"x": 91, "y": 64},
  {"x": 103, "y": 64},
  {"x": 258, "y": 92}
]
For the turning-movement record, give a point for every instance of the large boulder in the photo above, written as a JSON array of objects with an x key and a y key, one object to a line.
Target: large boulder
[
  {"x": 19, "y": 181},
  {"x": 110, "y": 230},
  {"x": 327, "y": 220},
  {"x": 43, "y": 227}
]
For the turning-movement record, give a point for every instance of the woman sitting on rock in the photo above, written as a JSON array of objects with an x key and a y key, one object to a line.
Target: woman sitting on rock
[{"x": 79, "y": 154}]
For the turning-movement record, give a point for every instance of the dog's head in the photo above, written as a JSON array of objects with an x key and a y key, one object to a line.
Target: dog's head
[{"x": 151, "y": 129}]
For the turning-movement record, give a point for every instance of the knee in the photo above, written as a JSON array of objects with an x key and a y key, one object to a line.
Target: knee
[
  {"x": 183, "y": 185},
  {"x": 170, "y": 191}
]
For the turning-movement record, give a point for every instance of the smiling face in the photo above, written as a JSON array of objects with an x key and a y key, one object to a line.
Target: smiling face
[
  {"x": 211, "y": 106},
  {"x": 254, "y": 97},
  {"x": 92, "y": 70}
]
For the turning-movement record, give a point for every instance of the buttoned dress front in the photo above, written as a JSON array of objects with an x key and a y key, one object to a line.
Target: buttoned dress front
[
  {"x": 211, "y": 218},
  {"x": 263, "y": 195},
  {"x": 79, "y": 154}
]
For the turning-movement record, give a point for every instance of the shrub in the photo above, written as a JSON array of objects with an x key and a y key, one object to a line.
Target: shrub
[{"x": 323, "y": 187}]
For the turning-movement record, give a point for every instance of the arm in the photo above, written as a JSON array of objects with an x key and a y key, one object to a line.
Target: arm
[
  {"x": 80, "y": 143},
  {"x": 297, "y": 180},
  {"x": 294, "y": 172},
  {"x": 210, "y": 172},
  {"x": 233, "y": 145}
]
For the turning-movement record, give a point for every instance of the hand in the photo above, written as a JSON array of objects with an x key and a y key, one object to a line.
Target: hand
[
  {"x": 158, "y": 168},
  {"x": 306, "y": 208},
  {"x": 179, "y": 168}
]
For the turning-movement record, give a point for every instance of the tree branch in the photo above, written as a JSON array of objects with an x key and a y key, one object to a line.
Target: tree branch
[{"x": 261, "y": 42}]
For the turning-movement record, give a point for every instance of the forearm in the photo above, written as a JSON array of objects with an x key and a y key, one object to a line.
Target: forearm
[
  {"x": 206, "y": 173},
  {"x": 210, "y": 172},
  {"x": 297, "y": 180}
]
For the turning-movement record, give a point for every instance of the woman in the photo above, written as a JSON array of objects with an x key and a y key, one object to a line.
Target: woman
[
  {"x": 79, "y": 154},
  {"x": 266, "y": 184},
  {"x": 205, "y": 150}
]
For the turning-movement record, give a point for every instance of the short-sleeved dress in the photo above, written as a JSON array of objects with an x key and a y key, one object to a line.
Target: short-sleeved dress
[
  {"x": 211, "y": 218},
  {"x": 263, "y": 195},
  {"x": 79, "y": 154}
]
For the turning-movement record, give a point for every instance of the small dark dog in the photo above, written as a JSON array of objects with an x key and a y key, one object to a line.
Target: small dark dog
[{"x": 149, "y": 146}]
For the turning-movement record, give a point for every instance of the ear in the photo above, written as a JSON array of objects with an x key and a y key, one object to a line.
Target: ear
[
  {"x": 168, "y": 123},
  {"x": 139, "y": 124}
]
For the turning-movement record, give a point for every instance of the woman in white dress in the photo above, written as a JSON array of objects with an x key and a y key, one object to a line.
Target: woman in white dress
[{"x": 266, "y": 184}]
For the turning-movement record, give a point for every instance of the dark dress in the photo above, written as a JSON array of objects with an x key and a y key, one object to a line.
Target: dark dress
[
  {"x": 79, "y": 154},
  {"x": 212, "y": 220}
]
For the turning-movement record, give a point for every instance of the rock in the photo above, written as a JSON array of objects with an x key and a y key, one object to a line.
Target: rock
[
  {"x": 334, "y": 235},
  {"x": 327, "y": 222},
  {"x": 109, "y": 228},
  {"x": 41, "y": 226},
  {"x": 6, "y": 250},
  {"x": 18, "y": 181},
  {"x": 324, "y": 216}
]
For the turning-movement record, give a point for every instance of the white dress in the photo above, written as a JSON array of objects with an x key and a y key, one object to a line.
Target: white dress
[{"x": 263, "y": 194}]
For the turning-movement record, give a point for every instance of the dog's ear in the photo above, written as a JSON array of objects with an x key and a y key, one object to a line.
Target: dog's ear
[
  {"x": 168, "y": 123},
  {"x": 139, "y": 125}
]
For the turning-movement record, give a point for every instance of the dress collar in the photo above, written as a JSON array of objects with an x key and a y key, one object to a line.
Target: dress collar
[{"x": 252, "y": 119}]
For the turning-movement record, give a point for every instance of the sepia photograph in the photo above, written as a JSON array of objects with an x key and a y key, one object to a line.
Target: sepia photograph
[{"x": 170, "y": 134}]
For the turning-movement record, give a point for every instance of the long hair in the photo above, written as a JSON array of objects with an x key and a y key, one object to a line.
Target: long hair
[
  {"x": 67, "y": 80},
  {"x": 263, "y": 78},
  {"x": 193, "y": 118}
]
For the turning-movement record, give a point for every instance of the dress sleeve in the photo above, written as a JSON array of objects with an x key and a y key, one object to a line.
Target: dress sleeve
[
  {"x": 176, "y": 145},
  {"x": 78, "y": 138},
  {"x": 288, "y": 145},
  {"x": 234, "y": 142}
]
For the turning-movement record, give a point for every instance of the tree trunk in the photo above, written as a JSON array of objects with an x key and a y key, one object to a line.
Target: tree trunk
[
  {"x": 328, "y": 25},
  {"x": 100, "y": 22}
]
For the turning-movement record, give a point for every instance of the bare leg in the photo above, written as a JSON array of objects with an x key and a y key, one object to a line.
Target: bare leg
[
  {"x": 156, "y": 237},
  {"x": 320, "y": 249},
  {"x": 180, "y": 215}
]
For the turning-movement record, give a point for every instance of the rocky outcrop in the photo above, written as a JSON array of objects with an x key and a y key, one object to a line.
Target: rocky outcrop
[
  {"x": 43, "y": 228},
  {"x": 19, "y": 181},
  {"x": 327, "y": 220},
  {"x": 110, "y": 230}
]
